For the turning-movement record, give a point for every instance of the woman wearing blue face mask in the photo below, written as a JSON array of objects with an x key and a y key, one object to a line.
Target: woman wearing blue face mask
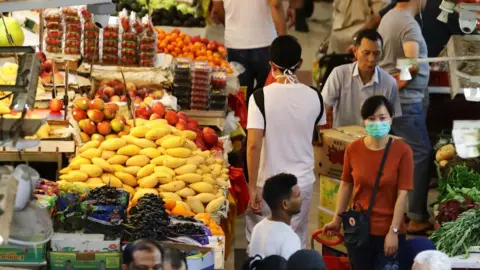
[{"x": 360, "y": 170}]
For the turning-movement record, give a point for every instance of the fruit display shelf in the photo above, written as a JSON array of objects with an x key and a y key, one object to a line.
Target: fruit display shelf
[{"x": 18, "y": 5}]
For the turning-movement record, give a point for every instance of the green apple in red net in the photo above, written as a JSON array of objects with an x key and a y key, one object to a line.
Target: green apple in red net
[{"x": 14, "y": 29}]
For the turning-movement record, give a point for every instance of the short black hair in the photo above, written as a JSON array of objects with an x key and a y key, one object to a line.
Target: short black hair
[
  {"x": 175, "y": 258},
  {"x": 271, "y": 262},
  {"x": 140, "y": 245},
  {"x": 371, "y": 105},
  {"x": 278, "y": 188},
  {"x": 286, "y": 52},
  {"x": 306, "y": 260},
  {"x": 369, "y": 34}
]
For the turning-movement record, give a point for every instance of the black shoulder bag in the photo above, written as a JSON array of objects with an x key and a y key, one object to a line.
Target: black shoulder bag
[{"x": 356, "y": 224}]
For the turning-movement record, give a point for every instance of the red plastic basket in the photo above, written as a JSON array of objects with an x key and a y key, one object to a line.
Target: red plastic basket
[{"x": 331, "y": 262}]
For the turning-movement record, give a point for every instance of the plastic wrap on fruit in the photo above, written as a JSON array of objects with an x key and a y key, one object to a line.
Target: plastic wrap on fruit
[
  {"x": 52, "y": 15},
  {"x": 125, "y": 21}
]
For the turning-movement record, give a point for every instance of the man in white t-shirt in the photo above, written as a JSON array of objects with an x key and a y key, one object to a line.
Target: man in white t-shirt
[
  {"x": 250, "y": 28},
  {"x": 273, "y": 235},
  {"x": 280, "y": 130}
]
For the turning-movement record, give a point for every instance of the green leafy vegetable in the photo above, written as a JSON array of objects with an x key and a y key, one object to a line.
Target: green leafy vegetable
[
  {"x": 460, "y": 181},
  {"x": 456, "y": 237}
]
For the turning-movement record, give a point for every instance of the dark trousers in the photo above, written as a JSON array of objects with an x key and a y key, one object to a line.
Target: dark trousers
[
  {"x": 412, "y": 128},
  {"x": 373, "y": 257},
  {"x": 256, "y": 64}
]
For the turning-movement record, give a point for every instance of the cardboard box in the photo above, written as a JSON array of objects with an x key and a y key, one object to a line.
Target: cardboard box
[
  {"x": 90, "y": 260},
  {"x": 83, "y": 243},
  {"x": 334, "y": 142},
  {"x": 204, "y": 260},
  {"x": 328, "y": 192},
  {"x": 16, "y": 254},
  {"x": 324, "y": 217}
]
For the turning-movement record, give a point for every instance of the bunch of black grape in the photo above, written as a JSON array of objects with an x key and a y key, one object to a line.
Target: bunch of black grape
[
  {"x": 105, "y": 195},
  {"x": 148, "y": 219},
  {"x": 186, "y": 229}
]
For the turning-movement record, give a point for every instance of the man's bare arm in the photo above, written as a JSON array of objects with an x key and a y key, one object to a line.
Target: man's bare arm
[
  {"x": 411, "y": 49},
  {"x": 218, "y": 12},
  {"x": 278, "y": 15}
]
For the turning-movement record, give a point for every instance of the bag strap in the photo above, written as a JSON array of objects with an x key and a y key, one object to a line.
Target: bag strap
[
  {"x": 322, "y": 108},
  {"x": 259, "y": 98},
  {"x": 379, "y": 175}
]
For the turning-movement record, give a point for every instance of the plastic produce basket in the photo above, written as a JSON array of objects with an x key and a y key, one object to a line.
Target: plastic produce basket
[{"x": 331, "y": 262}]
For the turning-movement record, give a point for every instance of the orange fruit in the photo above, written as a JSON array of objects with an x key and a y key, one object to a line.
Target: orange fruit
[
  {"x": 198, "y": 45},
  {"x": 170, "y": 47},
  {"x": 229, "y": 70},
  {"x": 182, "y": 35},
  {"x": 174, "y": 36},
  {"x": 174, "y": 54},
  {"x": 217, "y": 55},
  {"x": 211, "y": 64},
  {"x": 209, "y": 52},
  {"x": 180, "y": 43},
  {"x": 176, "y": 31}
]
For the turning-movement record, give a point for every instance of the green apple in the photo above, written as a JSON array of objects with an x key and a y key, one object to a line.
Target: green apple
[{"x": 14, "y": 29}]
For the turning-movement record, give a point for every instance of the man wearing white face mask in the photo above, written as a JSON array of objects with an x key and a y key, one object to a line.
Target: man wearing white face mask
[
  {"x": 403, "y": 39},
  {"x": 281, "y": 118}
]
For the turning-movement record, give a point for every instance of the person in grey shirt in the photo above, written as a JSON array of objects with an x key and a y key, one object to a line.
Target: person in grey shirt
[
  {"x": 348, "y": 86},
  {"x": 403, "y": 39}
]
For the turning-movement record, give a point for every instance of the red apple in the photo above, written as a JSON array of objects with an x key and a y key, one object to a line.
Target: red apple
[
  {"x": 97, "y": 104},
  {"x": 98, "y": 137},
  {"x": 123, "y": 99},
  {"x": 104, "y": 128},
  {"x": 132, "y": 94},
  {"x": 155, "y": 116},
  {"x": 108, "y": 91},
  {"x": 82, "y": 103},
  {"x": 95, "y": 115},
  {"x": 109, "y": 113},
  {"x": 122, "y": 119},
  {"x": 171, "y": 117},
  {"x": 56, "y": 105},
  {"x": 89, "y": 128},
  {"x": 183, "y": 116},
  {"x": 114, "y": 107},
  {"x": 181, "y": 124},
  {"x": 159, "y": 109},
  {"x": 195, "y": 39},
  {"x": 82, "y": 123},
  {"x": 204, "y": 41},
  {"x": 104, "y": 98},
  {"x": 210, "y": 138},
  {"x": 138, "y": 100},
  {"x": 78, "y": 114},
  {"x": 143, "y": 111},
  {"x": 192, "y": 124},
  {"x": 119, "y": 89},
  {"x": 207, "y": 130}
]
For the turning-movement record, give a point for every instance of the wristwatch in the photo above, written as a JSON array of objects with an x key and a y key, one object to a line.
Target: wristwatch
[{"x": 395, "y": 230}]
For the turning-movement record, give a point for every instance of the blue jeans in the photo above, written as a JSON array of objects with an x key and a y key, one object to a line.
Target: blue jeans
[
  {"x": 373, "y": 257},
  {"x": 412, "y": 128},
  {"x": 256, "y": 64}
]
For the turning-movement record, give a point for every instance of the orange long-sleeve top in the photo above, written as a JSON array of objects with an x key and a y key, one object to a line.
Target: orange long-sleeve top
[{"x": 361, "y": 167}]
